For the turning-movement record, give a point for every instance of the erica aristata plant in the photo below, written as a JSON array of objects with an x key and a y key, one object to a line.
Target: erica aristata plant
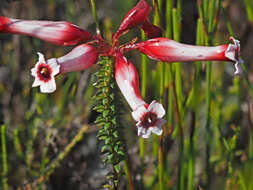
[{"x": 115, "y": 69}]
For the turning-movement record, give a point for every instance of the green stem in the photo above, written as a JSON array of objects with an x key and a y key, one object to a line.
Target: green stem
[
  {"x": 193, "y": 101},
  {"x": 250, "y": 150},
  {"x": 4, "y": 158},
  {"x": 128, "y": 175},
  {"x": 94, "y": 12},
  {"x": 157, "y": 21},
  {"x": 191, "y": 162},
  {"x": 179, "y": 99},
  {"x": 208, "y": 119},
  {"x": 143, "y": 93}
]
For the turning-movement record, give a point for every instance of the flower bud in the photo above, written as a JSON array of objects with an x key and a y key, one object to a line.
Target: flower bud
[{"x": 135, "y": 17}]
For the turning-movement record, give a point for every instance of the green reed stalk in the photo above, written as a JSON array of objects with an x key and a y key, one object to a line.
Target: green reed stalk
[
  {"x": 16, "y": 143},
  {"x": 4, "y": 159},
  {"x": 128, "y": 175},
  {"x": 94, "y": 12},
  {"x": 249, "y": 9},
  {"x": 208, "y": 119},
  {"x": 178, "y": 66},
  {"x": 179, "y": 99},
  {"x": 209, "y": 15},
  {"x": 168, "y": 69},
  {"x": 143, "y": 90},
  {"x": 193, "y": 101},
  {"x": 143, "y": 93},
  {"x": 157, "y": 21},
  {"x": 250, "y": 149},
  {"x": 168, "y": 82}
]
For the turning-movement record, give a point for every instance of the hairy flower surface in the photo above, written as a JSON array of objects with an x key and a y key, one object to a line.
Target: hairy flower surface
[{"x": 148, "y": 117}]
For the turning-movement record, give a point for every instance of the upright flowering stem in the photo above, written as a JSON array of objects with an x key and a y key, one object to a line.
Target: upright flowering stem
[{"x": 111, "y": 131}]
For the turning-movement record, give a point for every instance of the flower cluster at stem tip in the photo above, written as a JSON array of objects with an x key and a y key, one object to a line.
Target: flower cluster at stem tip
[{"x": 148, "y": 116}]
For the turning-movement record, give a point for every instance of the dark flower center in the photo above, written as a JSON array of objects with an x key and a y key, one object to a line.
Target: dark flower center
[
  {"x": 149, "y": 119},
  {"x": 44, "y": 72}
]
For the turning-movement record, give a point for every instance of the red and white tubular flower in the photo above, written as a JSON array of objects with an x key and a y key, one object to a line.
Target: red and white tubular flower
[
  {"x": 80, "y": 58},
  {"x": 148, "y": 117},
  {"x": 58, "y": 33},
  {"x": 167, "y": 50},
  {"x": 135, "y": 17}
]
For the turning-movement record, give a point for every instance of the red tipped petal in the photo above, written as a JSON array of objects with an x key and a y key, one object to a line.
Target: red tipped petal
[
  {"x": 58, "y": 33},
  {"x": 135, "y": 17},
  {"x": 128, "y": 81},
  {"x": 164, "y": 49},
  {"x": 80, "y": 58},
  {"x": 151, "y": 31}
]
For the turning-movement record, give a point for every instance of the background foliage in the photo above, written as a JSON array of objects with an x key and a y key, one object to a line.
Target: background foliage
[{"x": 208, "y": 139}]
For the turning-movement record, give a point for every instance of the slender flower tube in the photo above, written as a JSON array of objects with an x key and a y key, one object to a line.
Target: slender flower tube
[
  {"x": 164, "y": 49},
  {"x": 59, "y": 33},
  {"x": 148, "y": 117},
  {"x": 80, "y": 58},
  {"x": 135, "y": 17}
]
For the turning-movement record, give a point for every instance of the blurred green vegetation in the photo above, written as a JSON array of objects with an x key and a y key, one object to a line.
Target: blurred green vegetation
[{"x": 208, "y": 139}]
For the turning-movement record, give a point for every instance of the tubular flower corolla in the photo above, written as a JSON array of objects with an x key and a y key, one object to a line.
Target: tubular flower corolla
[
  {"x": 148, "y": 117},
  {"x": 167, "y": 50},
  {"x": 58, "y": 33}
]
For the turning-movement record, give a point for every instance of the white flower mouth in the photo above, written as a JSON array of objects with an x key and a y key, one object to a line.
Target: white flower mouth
[
  {"x": 44, "y": 73},
  {"x": 233, "y": 53},
  {"x": 149, "y": 119}
]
